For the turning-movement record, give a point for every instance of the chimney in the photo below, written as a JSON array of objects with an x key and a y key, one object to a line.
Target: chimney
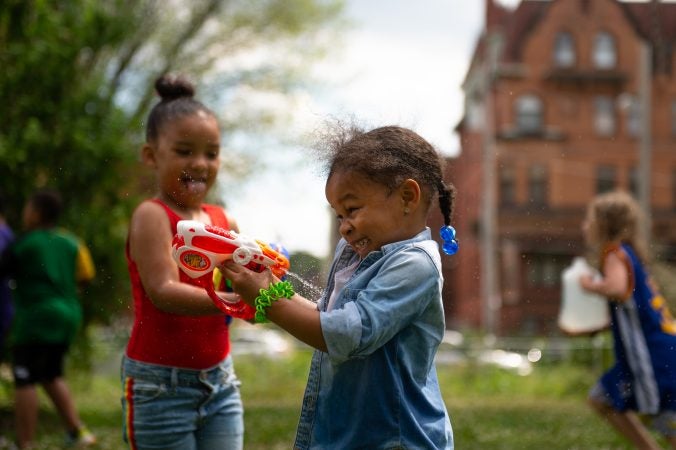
[{"x": 493, "y": 13}]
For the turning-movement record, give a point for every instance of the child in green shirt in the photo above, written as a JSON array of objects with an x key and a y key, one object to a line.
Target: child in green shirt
[{"x": 47, "y": 265}]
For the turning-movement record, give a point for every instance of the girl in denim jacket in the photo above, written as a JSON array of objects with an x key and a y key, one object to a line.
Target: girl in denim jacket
[{"x": 377, "y": 327}]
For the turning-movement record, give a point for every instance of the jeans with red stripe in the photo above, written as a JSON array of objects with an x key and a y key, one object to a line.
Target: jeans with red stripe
[{"x": 181, "y": 409}]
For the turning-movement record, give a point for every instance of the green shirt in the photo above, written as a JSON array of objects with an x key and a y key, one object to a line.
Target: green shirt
[{"x": 47, "y": 266}]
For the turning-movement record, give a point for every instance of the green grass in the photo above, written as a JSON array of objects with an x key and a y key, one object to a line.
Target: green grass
[
  {"x": 490, "y": 408},
  {"x": 493, "y": 409}
]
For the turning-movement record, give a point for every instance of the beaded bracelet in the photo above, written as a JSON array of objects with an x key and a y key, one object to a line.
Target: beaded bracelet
[{"x": 266, "y": 297}]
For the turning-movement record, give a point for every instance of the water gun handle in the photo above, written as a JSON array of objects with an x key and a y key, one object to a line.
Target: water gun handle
[{"x": 237, "y": 309}]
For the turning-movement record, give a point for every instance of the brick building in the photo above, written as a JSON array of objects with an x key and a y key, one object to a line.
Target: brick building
[{"x": 554, "y": 101}]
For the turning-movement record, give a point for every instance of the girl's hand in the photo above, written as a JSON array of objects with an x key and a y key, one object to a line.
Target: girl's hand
[
  {"x": 587, "y": 282},
  {"x": 615, "y": 283},
  {"x": 298, "y": 316},
  {"x": 245, "y": 282}
]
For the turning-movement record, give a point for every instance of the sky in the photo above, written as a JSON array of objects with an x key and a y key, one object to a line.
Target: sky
[{"x": 401, "y": 62}]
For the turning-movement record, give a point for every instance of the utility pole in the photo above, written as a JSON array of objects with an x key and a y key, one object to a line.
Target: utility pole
[
  {"x": 489, "y": 295},
  {"x": 645, "y": 136}
]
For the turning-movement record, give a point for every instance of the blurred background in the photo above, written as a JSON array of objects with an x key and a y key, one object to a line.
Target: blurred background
[{"x": 536, "y": 105}]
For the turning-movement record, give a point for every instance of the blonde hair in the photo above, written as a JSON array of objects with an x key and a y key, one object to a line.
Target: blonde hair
[{"x": 616, "y": 217}]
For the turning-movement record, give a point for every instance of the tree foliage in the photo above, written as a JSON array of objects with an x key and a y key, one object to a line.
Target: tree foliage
[{"x": 76, "y": 84}]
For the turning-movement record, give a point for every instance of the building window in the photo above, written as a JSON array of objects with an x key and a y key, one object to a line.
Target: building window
[
  {"x": 529, "y": 114},
  {"x": 629, "y": 106},
  {"x": 606, "y": 179},
  {"x": 564, "y": 50},
  {"x": 507, "y": 186},
  {"x": 634, "y": 118},
  {"x": 475, "y": 115},
  {"x": 605, "y": 53},
  {"x": 633, "y": 181},
  {"x": 544, "y": 270},
  {"x": 550, "y": 272},
  {"x": 604, "y": 116},
  {"x": 537, "y": 185}
]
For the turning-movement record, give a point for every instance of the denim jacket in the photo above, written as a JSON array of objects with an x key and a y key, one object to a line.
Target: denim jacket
[{"x": 377, "y": 387}]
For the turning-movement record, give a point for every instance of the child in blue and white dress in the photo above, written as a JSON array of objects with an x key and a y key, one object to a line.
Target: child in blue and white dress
[
  {"x": 641, "y": 386},
  {"x": 376, "y": 329}
]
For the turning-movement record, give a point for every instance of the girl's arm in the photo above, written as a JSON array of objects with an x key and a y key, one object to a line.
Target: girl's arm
[
  {"x": 614, "y": 283},
  {"x": 150, "y": 248},
  {"x": 296, "y": 315}
]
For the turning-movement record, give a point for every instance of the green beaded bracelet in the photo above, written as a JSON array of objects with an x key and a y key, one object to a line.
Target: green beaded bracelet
[{"x": 266, "y": 297}]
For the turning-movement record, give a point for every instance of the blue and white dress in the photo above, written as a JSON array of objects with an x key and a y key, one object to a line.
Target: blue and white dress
[{"x": 643, "y": 378}]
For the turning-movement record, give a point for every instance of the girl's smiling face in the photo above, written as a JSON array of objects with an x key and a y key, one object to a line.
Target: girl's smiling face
[
  {"x": 186, "y": 158},
  {"x": 369, "y": 214}
]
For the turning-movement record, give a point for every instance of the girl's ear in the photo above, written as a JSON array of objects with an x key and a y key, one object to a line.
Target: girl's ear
[
  {"x": 410, "y": 193},
  {"x": 148, "y": 155}
]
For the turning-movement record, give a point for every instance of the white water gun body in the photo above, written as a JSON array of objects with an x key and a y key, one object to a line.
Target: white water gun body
[{"x": 198, "y": 249}]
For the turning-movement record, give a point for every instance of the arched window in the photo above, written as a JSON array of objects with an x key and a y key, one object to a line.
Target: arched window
[
  {"x": 529, "y": 114},
  {"x": 564, "y": 50},
  {"x": 605, "y": 52}
]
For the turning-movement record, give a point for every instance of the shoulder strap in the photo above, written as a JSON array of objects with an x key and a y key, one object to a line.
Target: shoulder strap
[
  {"x": 173, "y": 217},
  {"x": 217, "y": 215}
]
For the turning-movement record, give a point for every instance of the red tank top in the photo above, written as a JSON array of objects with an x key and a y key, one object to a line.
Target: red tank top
[{"x": 159, "y": 337}]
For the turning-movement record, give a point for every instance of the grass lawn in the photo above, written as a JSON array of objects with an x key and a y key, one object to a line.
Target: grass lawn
[{"x": 490, "y": 408}]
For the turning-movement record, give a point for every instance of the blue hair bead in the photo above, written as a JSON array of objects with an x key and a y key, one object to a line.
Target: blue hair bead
[{"x": 450, "y": 246}]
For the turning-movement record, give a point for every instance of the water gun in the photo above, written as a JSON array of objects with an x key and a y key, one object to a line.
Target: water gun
[{"x": 198, "y": 249}]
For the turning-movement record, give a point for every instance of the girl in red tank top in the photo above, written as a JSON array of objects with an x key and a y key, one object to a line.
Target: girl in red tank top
[
  {"x": 170, "y": 339},
  {"x": 177, "y": 359}
]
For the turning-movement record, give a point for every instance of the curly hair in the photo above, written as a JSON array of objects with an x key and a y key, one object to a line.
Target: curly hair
[
  {"x": 388, "y": 156},
  {"x": 616, "y": 217}
]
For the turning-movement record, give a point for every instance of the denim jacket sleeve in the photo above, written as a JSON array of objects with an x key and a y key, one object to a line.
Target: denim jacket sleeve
[{"x": 381, "y": 301}]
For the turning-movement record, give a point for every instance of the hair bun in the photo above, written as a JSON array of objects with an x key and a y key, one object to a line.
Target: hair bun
[{"x": 171, "y": 87}]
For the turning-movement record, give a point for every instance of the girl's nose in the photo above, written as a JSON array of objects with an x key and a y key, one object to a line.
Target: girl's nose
[
  {"x": 199, "y": 161},
  {"x": 345, "y": 228}
]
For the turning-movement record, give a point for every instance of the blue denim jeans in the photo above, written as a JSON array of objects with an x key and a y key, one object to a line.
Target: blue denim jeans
[{"x": 170, "y": 408}]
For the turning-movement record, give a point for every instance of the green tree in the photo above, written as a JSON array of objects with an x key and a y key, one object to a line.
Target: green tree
[{"x": 76, "y": 84}]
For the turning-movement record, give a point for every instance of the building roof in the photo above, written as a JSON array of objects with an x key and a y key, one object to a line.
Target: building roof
[
  {"x": 519, "y": 24},
  {"x": 655, "y": 21}
]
